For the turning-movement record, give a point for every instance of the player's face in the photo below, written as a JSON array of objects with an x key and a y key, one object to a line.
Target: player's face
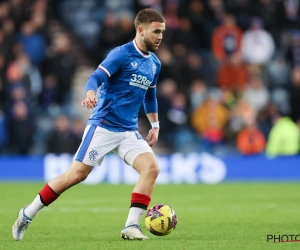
[{"x": 153, "y": 35}]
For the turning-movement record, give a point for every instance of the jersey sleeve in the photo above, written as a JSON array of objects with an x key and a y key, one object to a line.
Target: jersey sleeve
[
  {"x": 113, "y": 62},
  {"x": 150, "y": 100},
  {"x": 154, "y": 82},
  {"x": 96, "y": 80}
]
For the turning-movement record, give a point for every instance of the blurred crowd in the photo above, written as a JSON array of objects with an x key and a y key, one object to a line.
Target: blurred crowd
[{"x": 229, "y": 82}]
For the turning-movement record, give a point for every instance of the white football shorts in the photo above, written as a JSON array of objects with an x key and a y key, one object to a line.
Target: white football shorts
[{"x": 98, "y": 141}]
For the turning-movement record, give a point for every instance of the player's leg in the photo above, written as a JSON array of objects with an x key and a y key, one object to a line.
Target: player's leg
[
  {"x": 77, "y": 172},
  {"x": 80, "y": 168},
  {"x": 137, "y": 153},
  {"x": 146, "y": 166}
]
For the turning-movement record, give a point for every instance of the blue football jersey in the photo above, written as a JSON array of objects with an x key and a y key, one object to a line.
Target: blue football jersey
[{"x": 131, "y": 73}]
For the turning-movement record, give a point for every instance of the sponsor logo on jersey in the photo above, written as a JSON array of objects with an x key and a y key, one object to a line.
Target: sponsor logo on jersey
[
  {"x": 140, "y": 81},
  {"x": 134, "y": 64}
]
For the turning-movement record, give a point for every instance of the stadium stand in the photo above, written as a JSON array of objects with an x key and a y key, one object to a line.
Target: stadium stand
[{"x": 227, "y": 66}]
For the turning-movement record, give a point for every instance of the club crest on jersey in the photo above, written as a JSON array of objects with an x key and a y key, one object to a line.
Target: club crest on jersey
[
  {"x": 154, "y": 68},
  {"x": 134, "y": 64}
]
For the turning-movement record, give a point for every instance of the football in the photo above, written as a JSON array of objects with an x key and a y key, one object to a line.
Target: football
[{"x": 161, "y": 220}]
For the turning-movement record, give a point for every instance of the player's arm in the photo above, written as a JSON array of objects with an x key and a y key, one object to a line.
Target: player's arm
[
  {"x": 150, "y": 107},
  {"x": 106, "y": 69},
  {"x": 154, "y": 131},
  {"x": 91, "y": 86}
]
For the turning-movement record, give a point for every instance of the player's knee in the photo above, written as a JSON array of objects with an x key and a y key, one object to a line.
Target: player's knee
[
  {"x": 78, "y": 176},
  {"x": 152, "y": 170},
  {"x": 81, "y": 176}
]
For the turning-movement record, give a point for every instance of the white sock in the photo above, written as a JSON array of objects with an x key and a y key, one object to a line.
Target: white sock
[
  {"x": 134, "y": 216},
  {"x": 32, "y": 210}
]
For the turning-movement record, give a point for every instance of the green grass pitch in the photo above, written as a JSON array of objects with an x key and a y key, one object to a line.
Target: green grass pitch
[{"x": 224, "y": 216}]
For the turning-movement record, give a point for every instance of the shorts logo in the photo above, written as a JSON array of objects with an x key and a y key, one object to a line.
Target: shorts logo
[
  {"x": 133, "y": 64},
  {"x": 92, "y": 154}
]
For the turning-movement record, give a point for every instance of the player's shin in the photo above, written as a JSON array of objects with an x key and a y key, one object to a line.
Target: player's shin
[
  {"x": 45, "y": 197},
  {"x": 139, "y": 203}
]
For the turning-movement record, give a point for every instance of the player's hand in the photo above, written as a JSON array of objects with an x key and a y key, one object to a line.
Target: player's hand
[
  {"x": 90, "y": 101},
  {"x": 153, "y": 136}
]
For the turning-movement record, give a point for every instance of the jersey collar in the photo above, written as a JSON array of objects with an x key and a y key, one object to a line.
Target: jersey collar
[{"x": 143, "y": 53}]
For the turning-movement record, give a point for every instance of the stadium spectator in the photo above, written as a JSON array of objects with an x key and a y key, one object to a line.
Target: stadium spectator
[
  {"x": 226, "y": 39},
  {"x": 295, "y": 94},
  {"x": 167, "y": 64},
  {"x": 49, "y": 93},
  {"x": 266, "y": 10},
  {"x": 61, "y": 63},
  {"x": 287, "y": 15},
  {"x": 126, "y": 28},
  {"x": 171, "y": 15},
  {"x": 209, "y": 119},
  {"x": 31, "y": 75},
  {"x": 242, "y": 10},
  {"x": 108, "y": 37},
  {"x": 233, "y": 75},
  {"x": 4, "y": 44},
  {"x": 238, "y": 112},
  {"x": 179, "y": 66},
  {"x": 258, "y": 46},
  {"x": 39, "y": 19},
  {"x": 184, "y": 34},
  {"x": 197, "y": 93},
  {"x": 16, "y": 89},
  {"x": 182, "y": 138},
  {"x": 193, "y": 69},
  {"x": 20, "y": 129},
  {"x": 32, "y": 43},
  {"x": 166, "y": 91},
  {"x": 293, "y": 51},
  {"x": 250, "y": 140},
  {"x": 214, "y": 13},
  {"x": 256, "y": 94},
  {"x": 278, "y": 73},
  {"x": 281, "y": 97},
  {"x": 18, "y": 12},
  {"x": 266, "y": 118},
  {"x": 284, "y": 138},
  {"x": 195, "y": 11},
  {"x": 62, "y": 139},
  {"x": 8, "y": 27},
  {"x": 3, "y": 133}
]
